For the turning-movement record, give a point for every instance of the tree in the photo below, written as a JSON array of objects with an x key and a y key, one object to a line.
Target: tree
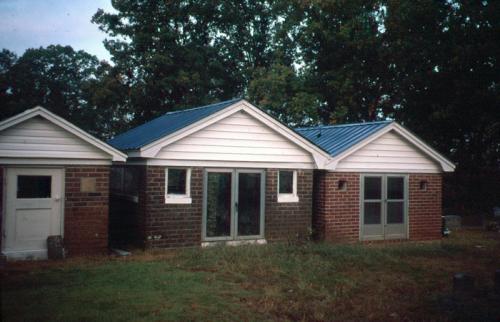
[
  {"x": 282, "y": 93},
  {"x": 337, "y": 44},
  {"x": 177, "y": 54},
  {"x": 442, "y": 81},
  {"x": 66, "y": 82}
]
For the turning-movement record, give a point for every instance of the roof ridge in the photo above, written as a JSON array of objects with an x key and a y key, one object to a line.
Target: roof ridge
[
  {"x": 204, "y": 106},
  {"x": 343, "y": 125}
]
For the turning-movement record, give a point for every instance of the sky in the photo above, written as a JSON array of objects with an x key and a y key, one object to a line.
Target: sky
[{"x": 33, "y": 23}]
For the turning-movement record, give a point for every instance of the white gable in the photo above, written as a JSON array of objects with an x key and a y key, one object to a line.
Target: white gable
[
  {"x": 389, "y": 153},
  {"x": 239, "y": 138},
  {"x": 39, "y": 138}
]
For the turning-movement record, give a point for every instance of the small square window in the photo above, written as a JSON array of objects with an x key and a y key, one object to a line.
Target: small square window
[
  {"x": 176, "y": 181},
  {"x": 287, "y": 186},
  {"x": 33, "y": 187},
  {"x": 423, "y": 185},
  {"x": 177, "y": 185},
  {"x": 342, "y": 185},
  {"x": 286, "y": 182}
]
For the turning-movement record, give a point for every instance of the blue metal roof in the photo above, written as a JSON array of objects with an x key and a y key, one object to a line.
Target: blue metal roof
[
  {"x": 165, "y": 125},
  {"x": 335, "y": 139}
]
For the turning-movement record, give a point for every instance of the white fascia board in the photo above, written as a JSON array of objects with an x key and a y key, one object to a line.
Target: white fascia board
[
  {"x": 446, "y": 165},
  {"x": 59, "y": 121},
  {"x": 52, "y": 161},
  {"x": 221, "y": 164},
  {"x": 321, "y": 158},
  {"x": 151, "y": 150}
]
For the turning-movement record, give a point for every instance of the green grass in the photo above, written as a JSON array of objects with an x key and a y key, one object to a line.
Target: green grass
[{"x": 312, "y": 281}]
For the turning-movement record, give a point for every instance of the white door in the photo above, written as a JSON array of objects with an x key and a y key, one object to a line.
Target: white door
[{"x": 33, "y": 211}]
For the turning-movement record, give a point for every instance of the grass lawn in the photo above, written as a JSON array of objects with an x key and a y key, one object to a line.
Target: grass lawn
[{"x": 389, "y": 282}]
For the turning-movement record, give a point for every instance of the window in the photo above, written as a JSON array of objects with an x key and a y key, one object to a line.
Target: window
[
  {"x": 287, "y": 186},
  {"x": 124, "y": 182},
  {"x": 33, "y": 187},
  {"x": 177, "y": 185}
]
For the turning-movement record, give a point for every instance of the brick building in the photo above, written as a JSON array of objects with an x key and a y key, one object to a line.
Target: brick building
[
  {"x": 54, "y": 181},
  {"x": 230, "y": 173},
  {"x": 226, "y": 172}
]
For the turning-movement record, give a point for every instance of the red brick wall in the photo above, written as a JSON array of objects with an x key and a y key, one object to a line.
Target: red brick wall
[
  {"x": 288, "y": 221},
  {"x": 86, "y": 213},
  {"x": 425, "y": 207},
  {"x": 336, "y": 212},
  {"x": 174, "y": 225},
  {"x": 179, "y": 225}
]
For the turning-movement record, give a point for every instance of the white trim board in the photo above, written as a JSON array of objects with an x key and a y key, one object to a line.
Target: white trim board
[
  {"x": 42, "y": 161},
  {"x": 445, "y": 164},
  {"x": 321, "y": 158},
  {"x": 220, "y": 164},
  {"x": 114, "y": 154}
]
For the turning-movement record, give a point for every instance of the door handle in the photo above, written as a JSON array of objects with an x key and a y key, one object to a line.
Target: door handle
[
  {"x": 57, "y": 198},
  {"x": 236, "y": 205}
]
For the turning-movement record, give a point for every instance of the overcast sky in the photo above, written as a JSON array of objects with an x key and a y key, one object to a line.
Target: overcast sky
[{"x": 34, "y": 23}]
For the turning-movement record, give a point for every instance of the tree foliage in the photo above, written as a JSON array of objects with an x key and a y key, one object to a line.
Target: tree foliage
[
  {"x": 175, "y": 54},
  {"x": 67, "y": 82}
]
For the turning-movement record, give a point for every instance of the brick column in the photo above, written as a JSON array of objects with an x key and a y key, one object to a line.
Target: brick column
[
  {"x": 336, "y": 212},
  {"x": 171, "y": 225},
  {"x": 291, "y": 220},
  {"x": 86, "y": 213},
  {"x": 425, "y": 207}
]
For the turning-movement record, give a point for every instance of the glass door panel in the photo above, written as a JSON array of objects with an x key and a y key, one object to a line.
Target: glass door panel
[
  {"x": 395, "y": 217},
  {"x": 372, "y": 227},
  {"x": 218, "y": 204},
  {"x": 249, "y": 204}
]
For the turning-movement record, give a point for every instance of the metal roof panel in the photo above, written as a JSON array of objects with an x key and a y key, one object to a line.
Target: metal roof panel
[
  {"x": 335, "y": 139},
  {"x": 165, "y": 125}
]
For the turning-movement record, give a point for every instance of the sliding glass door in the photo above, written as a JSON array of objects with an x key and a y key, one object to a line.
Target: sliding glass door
[
  {"x": 384, "y": 206},
  {"x": 218, "y": 204},
  {"x": 233, "y": 206}
]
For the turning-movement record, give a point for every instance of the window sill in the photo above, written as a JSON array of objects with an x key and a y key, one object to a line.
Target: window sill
[
  {"x": 287, "y": 198},
  {"x": 178, "y": 200}
]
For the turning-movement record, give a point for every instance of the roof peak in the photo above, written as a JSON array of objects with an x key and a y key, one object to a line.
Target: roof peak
[
  {"x": 233, "y": 100},
  {"x": 343, "y": 125}
]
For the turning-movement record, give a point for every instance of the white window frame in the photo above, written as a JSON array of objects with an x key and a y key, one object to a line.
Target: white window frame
[
  {"x": 288, "y": 197},
  {"x": 176, "y": 198}
]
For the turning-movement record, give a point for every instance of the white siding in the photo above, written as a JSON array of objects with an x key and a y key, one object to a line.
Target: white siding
[
  {"x": 237, "y": 138},
  {"x": 39, "y": 138},
  {"x": 389, "y": 153}
]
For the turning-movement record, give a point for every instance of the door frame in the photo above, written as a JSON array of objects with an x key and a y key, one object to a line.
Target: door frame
[
  {"x": 234, "y": 201},
  {"x": 6, "y": 169},
  {"x": 383, "y": 210}
]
